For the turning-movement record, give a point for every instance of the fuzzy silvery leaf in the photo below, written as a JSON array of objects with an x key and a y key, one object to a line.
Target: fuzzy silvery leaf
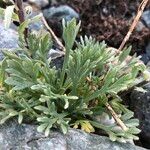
[
  {"x": 70, "y": 30},
  {"x": 8, "y": 15}
]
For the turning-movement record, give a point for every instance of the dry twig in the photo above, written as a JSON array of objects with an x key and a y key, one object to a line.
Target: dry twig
[
  {"x": 110, "y": 109},
  {"x": 53, "y": 34},
  {"x": 116, "y": 117},
  {"x": 133, "y": 25}
]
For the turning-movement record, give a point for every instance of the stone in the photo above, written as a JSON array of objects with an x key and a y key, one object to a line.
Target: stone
[
  {"x": 140, "y": 26},
  {"x": 140, "y": 104},
  {"x": 55, "y": 53},
  {"x": 25, "y": 137},
  {"x": 60, "y": 12},
  {"x": 145, "y": 58},
  {"x": 37, "y": 25},
  {"x": 54, "y": 16},
  {"x": 31, "y": 12},
  {"x": 8, "y": 39},
  {"x": 146, "y": 17},
  {"x": 39, "y": 3}
]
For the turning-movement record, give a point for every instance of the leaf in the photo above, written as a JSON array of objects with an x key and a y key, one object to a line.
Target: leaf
[
  {"x": 70, "y": 30},
  {"x": 27, "y": 22},
  {"x": 66, "y": 103},
  {"x": 47, "y": 131},
  {"x": 20, "y": 118},
  {"x": 43, "y": 119},
  {"x": 3, "y": 120},
  {"x": 13, "y": 113},
  {"x": 134, "y": 130},
  {"x": 6, "y": 1},
  {"x": 36, "y": 18},
  {"x": 8, "y": 15},
  {"x": 132, "y": 123},
  {"x": 140, "y": 89},
  {"x": 10, "y": 55},
  {"x": 112, "y": 137},
  {"x": 127, "y": 116},
  {"x": 14, "y": 15},
  {"x": 18, "y": 83},
  {"x": 87, "y": 127},
  {"x": 40, "y": 107},
  {"x": 146, "y": 75},
  {"x": 124, "y": 54},
  {"x": 23, "y": 26},
  {"x": 3, "y": 66},
  {"x": 64, "y": 128},
  {"x": 42, "y": 127}
]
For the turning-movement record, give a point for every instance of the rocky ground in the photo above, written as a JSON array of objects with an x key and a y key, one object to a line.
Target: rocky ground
[
  {"x": 104, "y": 20},
  {"x": 25, "y": 137}
]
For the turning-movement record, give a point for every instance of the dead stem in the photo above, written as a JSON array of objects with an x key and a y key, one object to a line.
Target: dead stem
[
  {"x": 110, "y": 109},
  {"x": 116, "y": 117},
  {"x": 53, "y": 34},
  {"x": 133, "y": 25},
  {"x": 20, "y": 12}
]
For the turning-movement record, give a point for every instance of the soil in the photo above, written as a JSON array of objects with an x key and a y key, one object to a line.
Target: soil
[{"x": 110, "y": 21}]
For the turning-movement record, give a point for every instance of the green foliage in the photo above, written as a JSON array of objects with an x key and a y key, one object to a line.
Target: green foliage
[{"x": 30, "y": 89}]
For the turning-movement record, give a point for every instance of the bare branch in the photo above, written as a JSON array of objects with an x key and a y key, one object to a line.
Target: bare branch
[
  {"x": 135, "y": 21},
  {"x": 116, "y": 117},
  {"x": 53, "y": 34}
]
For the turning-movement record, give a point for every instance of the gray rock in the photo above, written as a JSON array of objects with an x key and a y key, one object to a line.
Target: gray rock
[
  {"x": 146, "y": 17},
  {"x": 37, "y": 25},
  {"x": 148, "y": 49},
  {"x": 8, "y": 38},
  {"x": 60, "y": 12},
  {"x": 39, "y": 3},
  {"x": 140, "y": 104},
  {"x": 55, "y": 53},
  {"x": 54, "y": 16},
  {"x": 145, "y": 58},
  {"x": 25, "y": 137},
  {"x": 140, "y": 26}
]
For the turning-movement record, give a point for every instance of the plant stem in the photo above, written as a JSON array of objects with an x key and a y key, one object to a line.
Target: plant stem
[
  {"x": 116, "y": 117},
  {"x": 20, "y": 12},
  {"x": 19, "y": 4},
  {"x": 66, "y": 58}
]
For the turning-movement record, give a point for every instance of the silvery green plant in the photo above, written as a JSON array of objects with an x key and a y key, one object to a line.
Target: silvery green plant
[{"x": 32, "y": 89}]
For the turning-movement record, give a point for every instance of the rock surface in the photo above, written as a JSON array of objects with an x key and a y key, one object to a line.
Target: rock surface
[
  {"x": 148, "y": 49},
  {"x": 145, "y": 58},
  {"x": 140, "y": 104},
  {"x": 37, "y": 25},
  {"x": 39, "y": 3},
  {"x": 54, "y": 16},
  {"x": 61, "y": 12},
  {"x": 146, "y": 18},
  {"x": 8, "y": 38},
  {"x": 25, "y": 137}
]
